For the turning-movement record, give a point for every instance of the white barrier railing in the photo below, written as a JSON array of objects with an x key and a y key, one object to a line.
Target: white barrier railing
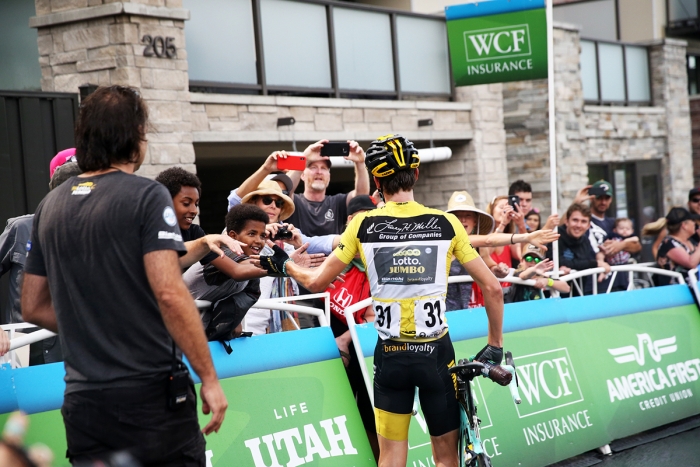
[
  {"x": 324, "y": 315},
  {"x": 279, "y": 303},
  {"x": 693, "y": 282},
  {"x": 572, "y": 277}
]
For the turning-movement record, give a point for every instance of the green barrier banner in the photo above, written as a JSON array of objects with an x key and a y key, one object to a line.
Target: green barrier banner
[
  {"x": 304, "y": 415},
  {"x": 290, "y": 417},
  {"x": 494, "y": 48},
  {"x": 647, "y": 369},
  {"x": 290, "y": 404},
  {"x": 583, "y": 382}
]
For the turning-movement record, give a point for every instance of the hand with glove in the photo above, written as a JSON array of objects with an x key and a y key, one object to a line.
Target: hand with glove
[
  {"x": 490, "y": 354},
  {"x": 275, "y": 264},
  {"x": 492, "y": 357}
]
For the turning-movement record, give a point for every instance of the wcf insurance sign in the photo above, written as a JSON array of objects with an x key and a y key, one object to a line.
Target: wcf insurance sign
[{"x": 497, "y": 40}]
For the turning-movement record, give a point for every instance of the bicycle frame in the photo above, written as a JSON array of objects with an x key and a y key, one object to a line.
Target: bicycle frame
[{"x": 470, "y": 449}]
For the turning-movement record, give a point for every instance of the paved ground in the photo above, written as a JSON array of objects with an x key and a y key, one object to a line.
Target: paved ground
[
  {"x": 681, "y": 450},
  {"x": 676, "y": 445}
]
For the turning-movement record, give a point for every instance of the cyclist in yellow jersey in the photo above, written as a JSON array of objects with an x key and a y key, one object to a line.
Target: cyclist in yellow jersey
[{"x": 407, "y": 248}]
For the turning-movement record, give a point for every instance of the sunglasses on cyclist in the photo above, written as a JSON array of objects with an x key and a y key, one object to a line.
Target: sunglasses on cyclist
[
  {"x": 532, "y": 259},
  {"x": 266, "y": 200},
  {"x": 695, "y": 200}
]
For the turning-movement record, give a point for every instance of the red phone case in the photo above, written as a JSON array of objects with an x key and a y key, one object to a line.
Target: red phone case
[{"x": 292, "y": 163}]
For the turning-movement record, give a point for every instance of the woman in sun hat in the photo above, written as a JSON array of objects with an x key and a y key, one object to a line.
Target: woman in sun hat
[
  {"x": 270, "y": 198},
  {"x": 278, "y": 206},
  {"x": 475, "y": 221}
]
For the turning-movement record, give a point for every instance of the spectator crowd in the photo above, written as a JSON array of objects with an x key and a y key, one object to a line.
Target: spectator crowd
[{"x": 510, "y": 234}]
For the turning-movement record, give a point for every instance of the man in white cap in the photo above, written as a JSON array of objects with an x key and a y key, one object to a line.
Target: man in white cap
[{"x": 318, "y": 213}]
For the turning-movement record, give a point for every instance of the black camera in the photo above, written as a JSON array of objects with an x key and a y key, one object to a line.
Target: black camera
[
  {"x": 513, "y": 200},
  {"x": 283, "y": 234},
  {"x": 178, "y": 384}
]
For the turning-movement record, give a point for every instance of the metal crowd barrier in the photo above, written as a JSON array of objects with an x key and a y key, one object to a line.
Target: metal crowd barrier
[
  {"x": 693, "y": 283},
  {"x": 323, "y": 315},
  {"x": 571, "y": 277}
]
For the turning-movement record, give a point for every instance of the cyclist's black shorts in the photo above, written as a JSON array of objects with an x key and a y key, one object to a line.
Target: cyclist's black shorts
[{"x": 400, "y": 367}]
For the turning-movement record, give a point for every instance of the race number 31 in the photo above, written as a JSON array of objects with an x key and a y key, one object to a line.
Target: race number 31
[{"x": 430, "y": 316}]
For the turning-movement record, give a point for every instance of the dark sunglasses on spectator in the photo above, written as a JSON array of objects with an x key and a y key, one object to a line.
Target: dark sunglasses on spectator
[
  {"x": 267, "y": 200},
  {"x": 695, "y": 200},
  {"x": 531, "y": 259}
]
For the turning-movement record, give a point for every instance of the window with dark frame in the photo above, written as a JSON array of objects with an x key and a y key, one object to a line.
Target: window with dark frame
[
  {"x": 438, "y": 85},
  {"x": 615, "y": 73}
]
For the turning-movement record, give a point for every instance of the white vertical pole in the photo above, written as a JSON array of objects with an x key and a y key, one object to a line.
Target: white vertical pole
[{"x": 552, "y": 130}]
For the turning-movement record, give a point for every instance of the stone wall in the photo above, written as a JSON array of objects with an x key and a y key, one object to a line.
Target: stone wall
[
  {"x": 527, "y": 145},
  {"x": 624, "y": 133},
  {"x": 670, "y": 90},
  {"x": 471, "y": 127},
  {"x": 86, "y": 41},
  {"x": 232, "y": 118},
  {"x": 527, "y": 126},
  {"x": 596, "y": 134},
  {"x": 695, "y": 122}
]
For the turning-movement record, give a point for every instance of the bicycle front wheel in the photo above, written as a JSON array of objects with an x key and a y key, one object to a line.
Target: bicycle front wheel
[{"x": 482, "y": 460}]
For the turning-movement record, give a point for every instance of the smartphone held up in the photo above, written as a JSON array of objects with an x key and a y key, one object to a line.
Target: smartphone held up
[
  {"x": 336, "y": 149},
  {"x": 513, "y": 200},
  {"x": 291, "y": 162}
]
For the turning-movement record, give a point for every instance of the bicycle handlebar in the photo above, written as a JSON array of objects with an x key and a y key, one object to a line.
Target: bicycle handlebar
[{"x": 471, "y": 369}]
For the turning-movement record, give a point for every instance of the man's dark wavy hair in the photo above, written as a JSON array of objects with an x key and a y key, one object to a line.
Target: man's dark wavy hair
[
  {"x": 402, "y": 180},
  {"x": 175, "y": 178},
  {"x": 239, "y": 215},
  {"x": 519, "y": 186},
  {"x": 111, "y": 124}
]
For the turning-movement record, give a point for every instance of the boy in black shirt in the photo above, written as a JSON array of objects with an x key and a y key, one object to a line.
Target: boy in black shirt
[{"x": 231, "y": 298}]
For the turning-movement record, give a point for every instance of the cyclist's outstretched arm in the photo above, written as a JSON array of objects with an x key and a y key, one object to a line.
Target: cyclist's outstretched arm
[
  {"x": 317, "y": 279},
  {"x": 493, "y": 298}
]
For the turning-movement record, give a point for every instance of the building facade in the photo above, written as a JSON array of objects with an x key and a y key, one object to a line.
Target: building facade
[{"x": 218, "y": 75}]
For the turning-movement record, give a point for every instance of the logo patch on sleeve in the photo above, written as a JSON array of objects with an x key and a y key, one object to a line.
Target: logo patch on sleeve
[
  {"x": 169, "y": 216},
  {"x": 84, "y": 188},
  {"x": 165, "y": 235}
]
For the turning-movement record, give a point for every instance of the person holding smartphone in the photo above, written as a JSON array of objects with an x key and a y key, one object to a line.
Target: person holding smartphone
[
  {"x": 270, "y": 171},
  {"x": 318, "y": 213}
]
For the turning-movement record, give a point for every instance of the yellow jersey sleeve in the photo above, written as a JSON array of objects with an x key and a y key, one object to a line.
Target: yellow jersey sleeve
[
  {"x": 349, "y": 242},
  {"x": 462, "y": 248}
]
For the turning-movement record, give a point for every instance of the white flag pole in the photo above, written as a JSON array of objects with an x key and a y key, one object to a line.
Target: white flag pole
[{"x": 552, "y": 130}]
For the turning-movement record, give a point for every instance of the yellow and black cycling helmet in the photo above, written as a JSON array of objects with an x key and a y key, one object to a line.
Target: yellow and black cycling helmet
[{"x": 390, "y": 153}]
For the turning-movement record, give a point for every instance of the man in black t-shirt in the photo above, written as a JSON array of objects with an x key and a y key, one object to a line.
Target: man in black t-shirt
[
  {"x": 103, "y": 271},
  {"x": 600, "y": 196},
  {"x": 315, "y": 212},
  {"x": 575, "y": 249}
]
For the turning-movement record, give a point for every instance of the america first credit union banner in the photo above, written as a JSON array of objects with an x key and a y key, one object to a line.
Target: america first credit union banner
[
  {"x": 497, "y": 41},
  {"x": 591, "y": 370}
]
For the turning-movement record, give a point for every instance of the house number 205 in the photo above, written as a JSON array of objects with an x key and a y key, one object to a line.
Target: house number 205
[{"x": 159, "y": 46}]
